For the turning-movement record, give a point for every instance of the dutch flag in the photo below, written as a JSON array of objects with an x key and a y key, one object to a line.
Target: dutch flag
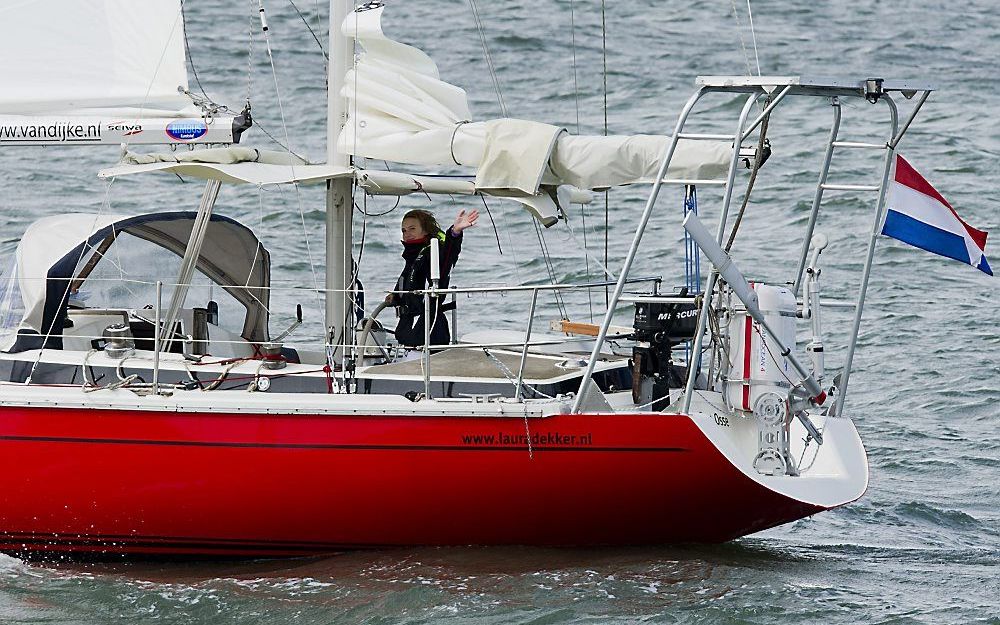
[{"x": 918, "y": 215}]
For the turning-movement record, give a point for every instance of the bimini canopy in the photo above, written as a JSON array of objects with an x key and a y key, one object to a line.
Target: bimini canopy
[{"x": 57, "y": 251}]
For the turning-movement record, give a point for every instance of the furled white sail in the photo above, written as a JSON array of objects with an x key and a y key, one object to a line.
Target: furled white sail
[
  {"x": 400, "y": 110},
  {"x": 98, "y": 71}
]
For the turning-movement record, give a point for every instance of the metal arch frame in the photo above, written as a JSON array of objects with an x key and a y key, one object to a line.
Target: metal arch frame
[
  {"x": 890, "y": 147},
  {"x": 818, "y": 197},
  {"x": 741, "y": 133},
  {"x": 633, "y": 249},
  {"x": 890, "y": 151},
  {"x": 585, "y": 381},
  {"x": 706, "y": 301}
]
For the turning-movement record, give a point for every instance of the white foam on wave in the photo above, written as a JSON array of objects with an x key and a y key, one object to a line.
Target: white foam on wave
[{"x": 9, "y": 563}]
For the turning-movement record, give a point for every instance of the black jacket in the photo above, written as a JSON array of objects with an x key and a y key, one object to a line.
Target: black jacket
[
  {"x": 416, "y": 275},
  {"x": 417, "y": 270}
]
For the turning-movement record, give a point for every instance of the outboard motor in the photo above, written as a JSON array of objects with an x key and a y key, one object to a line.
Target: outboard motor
[{"x": 659, "y": 326}]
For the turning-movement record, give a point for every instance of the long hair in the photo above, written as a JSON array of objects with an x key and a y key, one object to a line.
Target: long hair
[{"x": 427, "y": 221}]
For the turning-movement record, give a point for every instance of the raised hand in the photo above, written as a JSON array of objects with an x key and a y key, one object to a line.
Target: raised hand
[{"x": 464, "y": 220}]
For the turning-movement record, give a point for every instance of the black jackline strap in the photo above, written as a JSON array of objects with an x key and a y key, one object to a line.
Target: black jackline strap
[{"x": 763, "y": 151}]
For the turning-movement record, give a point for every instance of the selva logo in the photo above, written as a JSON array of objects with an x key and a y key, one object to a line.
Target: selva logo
[
  {"x": 187, "y": 129},
  {"x": 125, "y": 128}
]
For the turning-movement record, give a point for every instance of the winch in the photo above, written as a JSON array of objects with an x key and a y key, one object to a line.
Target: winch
[{"x": 119, "y": 342}]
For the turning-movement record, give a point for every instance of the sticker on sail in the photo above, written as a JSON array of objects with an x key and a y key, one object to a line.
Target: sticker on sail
[{"x": 187, "y": 129}]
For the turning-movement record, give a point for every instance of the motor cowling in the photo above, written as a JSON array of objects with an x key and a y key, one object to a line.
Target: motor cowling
[{"x": 659, "y": 326}]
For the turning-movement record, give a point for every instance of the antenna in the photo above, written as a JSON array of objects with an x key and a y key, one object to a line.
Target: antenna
[{"x": 435, "y": 260}]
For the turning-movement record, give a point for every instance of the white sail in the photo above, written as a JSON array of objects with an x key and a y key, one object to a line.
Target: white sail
[
  {"x": 400, "y": 110},
  {"x": 98, "y": 71}
]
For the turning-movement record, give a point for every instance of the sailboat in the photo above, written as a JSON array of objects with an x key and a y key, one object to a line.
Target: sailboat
[{"x": 159, "y": 429}]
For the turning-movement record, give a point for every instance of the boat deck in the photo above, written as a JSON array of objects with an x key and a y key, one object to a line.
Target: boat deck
[{"x": 475, "y": 363}]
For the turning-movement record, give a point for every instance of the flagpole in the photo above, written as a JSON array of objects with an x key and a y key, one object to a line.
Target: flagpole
[{"x": 890, "y": 152}]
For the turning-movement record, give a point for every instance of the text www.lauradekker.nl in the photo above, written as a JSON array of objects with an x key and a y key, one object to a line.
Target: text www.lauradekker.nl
[{"x": 540, "y": 439}]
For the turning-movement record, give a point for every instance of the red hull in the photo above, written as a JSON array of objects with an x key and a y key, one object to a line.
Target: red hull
[{"x": 106, "y": 481}]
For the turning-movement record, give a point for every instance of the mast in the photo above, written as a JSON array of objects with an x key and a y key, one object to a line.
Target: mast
[{"x": 339, "y": 202}]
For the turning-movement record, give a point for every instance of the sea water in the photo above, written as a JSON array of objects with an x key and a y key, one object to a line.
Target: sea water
[{"x": 922, "y": 546}]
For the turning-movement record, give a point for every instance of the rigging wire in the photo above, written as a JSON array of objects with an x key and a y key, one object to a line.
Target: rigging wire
[
  {"x": 576, "y": 85},
  {"x": 259, "y": 126},
  {"x": 257, "y": 251},
  {"x": 311, "y": 31},
  {"x": 586, "y": 260},
  {"x": 207, "y": 104},
  {"x": 572, "y": 235},
  {"x": 753, "y": 35},
  {"x": 361, "y": 249},
  {"x": 505, "y": 113},
  {"x": 187, "y": 51},
  {"x": 364, "y": 230},
  {"x": 256, "y": 122},
  {"x": 316, "y": 13},
  {"x": 560, "y": 304},
  {"x": 739, "y": 31},
  {"x": 250, "y": 57},
  {"x": 762, "y": 145},
  {"x": 576, "y": 102},
  {"x": 222, "y": 107},
  {"x": 604, "y": 57},
  {"x": 607, "y": 206},
  {"x": 490, "y": 213},
  {"x": 489, "y": 59},
  {"x": 284, "y": 125},
  {"x": 364, "y": 211},
  {"x": 510, "y": 244}
]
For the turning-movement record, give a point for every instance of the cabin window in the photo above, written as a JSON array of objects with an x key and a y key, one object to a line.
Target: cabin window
[
  {"x": 123, "y": 274},
  {"x": 11, "y": 305}
]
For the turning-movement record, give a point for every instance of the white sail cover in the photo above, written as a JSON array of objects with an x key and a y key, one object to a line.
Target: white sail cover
[
  {"x": 400, "y": 110},
  {"x": 94, "y": 71}
]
